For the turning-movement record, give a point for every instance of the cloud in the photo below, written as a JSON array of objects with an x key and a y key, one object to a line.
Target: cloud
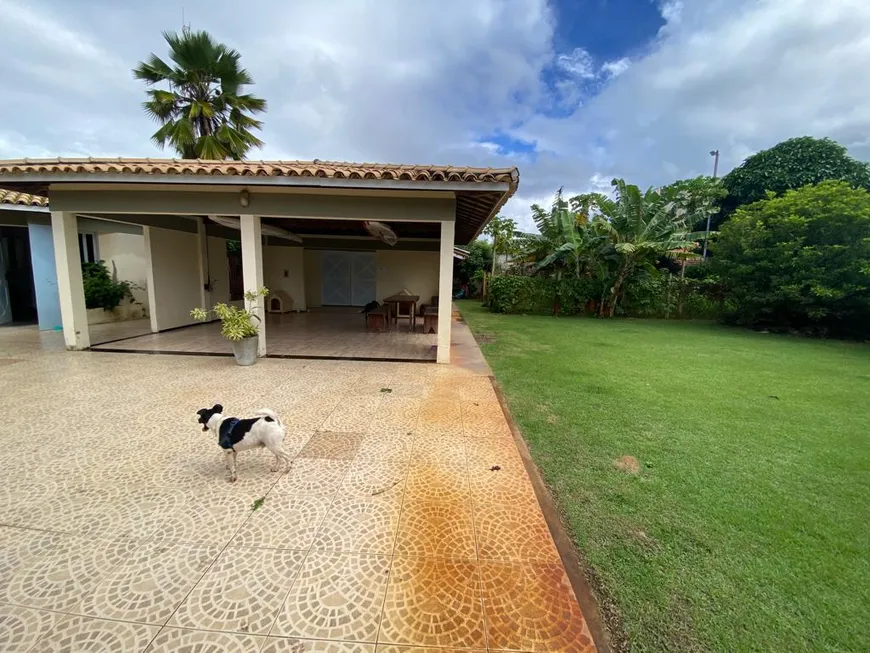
[{"x": 473, "y": 83}]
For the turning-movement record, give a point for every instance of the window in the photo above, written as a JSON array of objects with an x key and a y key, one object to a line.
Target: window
[{"x": 88, "y": 248}]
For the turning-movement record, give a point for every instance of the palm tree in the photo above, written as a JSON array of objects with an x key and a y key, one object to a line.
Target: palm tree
[{"x": 204, "y": 114}]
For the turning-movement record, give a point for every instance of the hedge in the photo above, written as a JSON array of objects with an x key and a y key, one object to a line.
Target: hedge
[{"x": 517, "y": 294}]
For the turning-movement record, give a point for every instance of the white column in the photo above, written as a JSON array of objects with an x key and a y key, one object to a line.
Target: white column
[
  {"x": 70, "y": 288},
  {"x": 149, "y": 280},
  {"x": 202, "y": 255},
  {"x": 445, "y": 291},
  {"x": 252, "y": 270}
]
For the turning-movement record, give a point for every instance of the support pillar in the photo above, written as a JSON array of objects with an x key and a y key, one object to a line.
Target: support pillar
[
  {"x": 252, "y": 270},
  {"x": 71, "y": 289},
  {"x": 153, "y": 309},
  {"x": 445, "y": 291}
]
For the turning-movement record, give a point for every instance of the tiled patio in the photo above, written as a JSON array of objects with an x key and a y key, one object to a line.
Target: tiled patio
[
  {"x": 310, "y": 335},
  {"x": 406, "y": 521}
]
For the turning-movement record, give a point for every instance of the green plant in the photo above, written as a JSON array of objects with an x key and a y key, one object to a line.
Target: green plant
[
  {"x": 789, "y": 165},
  {"x": 800, "y": 261},
  {"x": 503, "y": 234},
  {"x": 101, "y": 291},
  {"x": 204, "y": 114},
  {"x": 520, "y": 294},
  {"x": 236, "y": 323}
]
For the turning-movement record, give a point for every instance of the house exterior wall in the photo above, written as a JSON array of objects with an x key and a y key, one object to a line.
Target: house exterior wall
[
  {"x": 125, "y": 254},
  {"x": 416, "y": 271},
  {"x": 290, "y": 260},
  {"x": 175, "y": 276}
]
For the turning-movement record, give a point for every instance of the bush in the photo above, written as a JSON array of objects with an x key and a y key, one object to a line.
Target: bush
[
  {"x": 800, "y": 261},
  {"x": 101, "y": 291},
  {"x": 518, "y": 294}
]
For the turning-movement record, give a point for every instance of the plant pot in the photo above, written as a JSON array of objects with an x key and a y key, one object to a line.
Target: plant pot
[{"x": 245, "y": 350}]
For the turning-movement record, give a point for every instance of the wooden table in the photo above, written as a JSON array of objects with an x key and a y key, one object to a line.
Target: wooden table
[
  {"x": 378, "y": 319},
  {"x": 397, "y": 301},
  {"x": 430, "y": 320}
]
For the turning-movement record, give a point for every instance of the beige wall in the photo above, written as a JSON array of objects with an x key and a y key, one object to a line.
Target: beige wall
[
  {"x": 175, "y": 274},
  {"x": 218, "y": 270},
  {"x": 283, "y": 269},
  {"x": 416, "y": 271},
  {"x": 125, "y": 254},
  {"x": 313, "y": 278}
]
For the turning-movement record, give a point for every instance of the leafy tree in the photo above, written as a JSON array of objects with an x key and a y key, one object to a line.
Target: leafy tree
[
  {"x": 479, "y": 259},
  {"x": 792, "y": 164},
  {"x": 503, "y": 233},
  {"x": 801, "y": 261},
  {"x": 204, "y": 114},
  {"x": 698, "y": 197}
]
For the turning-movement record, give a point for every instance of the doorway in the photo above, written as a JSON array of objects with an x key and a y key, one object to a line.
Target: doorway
[
  {"x": 348, "y": 278},
  {"x": 17, "y": 295}
]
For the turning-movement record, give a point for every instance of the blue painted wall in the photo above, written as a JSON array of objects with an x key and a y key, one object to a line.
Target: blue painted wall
[{"x": 44, "y": 276}]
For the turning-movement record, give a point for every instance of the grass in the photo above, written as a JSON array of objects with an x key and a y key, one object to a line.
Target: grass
[{"x": 747, "y": 527}]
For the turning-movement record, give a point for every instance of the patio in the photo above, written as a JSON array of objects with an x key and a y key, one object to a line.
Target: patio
[
  {"x": 332, "y": 334},
  {"x": 406, "y": 520}
]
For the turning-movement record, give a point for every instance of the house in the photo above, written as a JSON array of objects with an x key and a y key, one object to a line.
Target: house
[{"x": 300, "y": 227}]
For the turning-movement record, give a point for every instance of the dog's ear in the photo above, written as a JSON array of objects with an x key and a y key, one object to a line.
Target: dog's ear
[{"x": 217, "y": 408}]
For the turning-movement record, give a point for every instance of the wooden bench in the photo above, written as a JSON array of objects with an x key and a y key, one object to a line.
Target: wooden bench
[
  {"x": 430, "y": 319},
  {"x": 377, "y": 319}
]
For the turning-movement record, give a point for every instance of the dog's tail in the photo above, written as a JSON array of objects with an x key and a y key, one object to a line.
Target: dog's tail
[{"x": 270, "y": 414}]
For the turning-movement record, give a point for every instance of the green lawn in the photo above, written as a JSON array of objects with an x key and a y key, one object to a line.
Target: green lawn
[{"x": 748, "y": 525}]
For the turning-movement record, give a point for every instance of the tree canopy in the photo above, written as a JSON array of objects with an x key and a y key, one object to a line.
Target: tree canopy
[
  {"x": 204, "y": 113},
  {"x": 791, "y": 164},
  {"x": 801, "y": 261}
]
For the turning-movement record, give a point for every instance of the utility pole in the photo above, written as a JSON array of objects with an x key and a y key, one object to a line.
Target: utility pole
[{"x": 715, "y": 155}]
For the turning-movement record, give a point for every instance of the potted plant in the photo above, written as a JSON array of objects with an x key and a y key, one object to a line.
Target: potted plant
[{"x": 238, "y": 325}]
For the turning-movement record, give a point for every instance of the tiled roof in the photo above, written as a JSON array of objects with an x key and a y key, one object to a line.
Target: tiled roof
[
  {"x": 316, "y": 168},
  {"x": 21, "y": 199}
]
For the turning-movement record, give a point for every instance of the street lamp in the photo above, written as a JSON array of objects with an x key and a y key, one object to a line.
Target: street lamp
[{"x": 715, "y": 155}]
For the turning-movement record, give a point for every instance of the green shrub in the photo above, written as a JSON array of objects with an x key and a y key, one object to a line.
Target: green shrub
[
  {"x": 518, "y": 294},
  {"x": 800, "y": 261},
  {"x": 101, "y": 291}
]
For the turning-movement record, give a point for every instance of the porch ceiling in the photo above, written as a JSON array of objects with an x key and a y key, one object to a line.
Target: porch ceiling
[{"x": 479, "y": 192}]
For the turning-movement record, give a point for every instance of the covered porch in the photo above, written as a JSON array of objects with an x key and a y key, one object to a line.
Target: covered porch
[{"x": 324, "y": 261}]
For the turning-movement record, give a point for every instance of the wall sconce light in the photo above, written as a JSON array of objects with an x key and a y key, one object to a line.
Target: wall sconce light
[{"x": 244, "y": 198}]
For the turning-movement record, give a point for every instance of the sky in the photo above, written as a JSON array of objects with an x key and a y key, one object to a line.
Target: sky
[{"x": 572, "y": 92}]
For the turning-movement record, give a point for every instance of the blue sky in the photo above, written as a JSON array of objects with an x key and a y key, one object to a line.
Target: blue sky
[{"x": 574, "y": 93}]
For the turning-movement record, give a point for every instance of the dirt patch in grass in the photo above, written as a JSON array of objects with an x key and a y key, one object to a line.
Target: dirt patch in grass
[
  {"x": 484, "y": 338},
  {"x": 627, "y": 464}
]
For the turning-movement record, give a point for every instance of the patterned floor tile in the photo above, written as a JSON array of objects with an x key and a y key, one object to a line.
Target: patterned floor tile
[
  {"x": 211, "y": 517},
  {"x": 375, "y": 478},
  {"x": 241, "y": 592},
  {"x": 439, "y": 417},
  {"x": 20, "y": 545},
  {"x": 360, "y": 524},
  {"x": 21, "y": 627},
  {"x": 486, "y": 453},
  {"x": 444, "y": 448},
  {"x": 332, "y": 446},
  {"x": 60, "y": 580},
  {"x": 353, "y": 415},
  {"x": 293, "y": 645},
  {"x": 151, "y": 584},
  {"x": 437, "y": 481},
  {"x": 335, "y": 596},
  {"x": 389, "y": 648},
  {"x": 386, "y": 445},
  {"x": 433, "y": 602},
  {"x": 436, "y": 528},
  {"x": 284, "y": 522},
  {"x": 513, "y": 533},
  {"x": 531, "y": 607},
  {"x": 177, "y": 640},
  {"x": 76, "y": 633},
  {"x": 312, "y": 476}
]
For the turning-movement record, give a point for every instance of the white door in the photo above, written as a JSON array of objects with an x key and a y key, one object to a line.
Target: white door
[
  {"x": 363, "y": 277},
  {"x": 348, "y": 278},
  {"x": 5, "y": 302}
]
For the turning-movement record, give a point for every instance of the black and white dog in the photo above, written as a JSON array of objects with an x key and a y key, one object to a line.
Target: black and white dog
[{"x": 234, "y": 434}]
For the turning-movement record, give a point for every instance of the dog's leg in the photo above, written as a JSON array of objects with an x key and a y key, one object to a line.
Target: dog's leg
[
  {"x": 280, "y": 456},
  {"x": 233, "y": 476}
]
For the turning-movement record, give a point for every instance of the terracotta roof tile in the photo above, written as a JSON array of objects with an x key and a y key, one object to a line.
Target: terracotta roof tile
[
  {"x": 316, "y": 168},
  {"x": 21, "y": 199}
]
